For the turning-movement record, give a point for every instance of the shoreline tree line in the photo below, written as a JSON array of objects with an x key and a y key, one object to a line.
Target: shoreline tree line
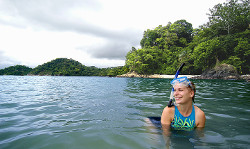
[{"x": 223, "y": 39}]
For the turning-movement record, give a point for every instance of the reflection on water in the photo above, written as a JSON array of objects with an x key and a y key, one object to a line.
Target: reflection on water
[{"x": 98, "y": 112}]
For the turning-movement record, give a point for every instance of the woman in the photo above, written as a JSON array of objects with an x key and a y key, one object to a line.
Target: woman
[{"x": 184, "y": 115}]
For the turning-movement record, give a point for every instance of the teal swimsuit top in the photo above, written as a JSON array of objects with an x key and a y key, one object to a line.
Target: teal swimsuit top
[{"x": 183, "y": 123}]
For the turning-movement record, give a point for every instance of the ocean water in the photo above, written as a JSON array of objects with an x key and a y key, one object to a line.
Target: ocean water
[{"x": 45, "y": 112}]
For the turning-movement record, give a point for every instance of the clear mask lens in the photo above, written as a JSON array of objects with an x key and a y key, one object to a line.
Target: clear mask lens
[{"x": 181, "y": 80}]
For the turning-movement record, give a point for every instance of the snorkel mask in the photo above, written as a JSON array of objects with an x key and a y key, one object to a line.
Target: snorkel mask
[{"x": 182, "y": 81}]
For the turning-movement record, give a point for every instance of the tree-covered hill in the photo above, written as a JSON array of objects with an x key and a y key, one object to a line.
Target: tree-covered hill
[
  {"x": 65, "y": 67},
  {"x": 16, "y": 70},
  {"x": 70, "y": 67},
  {"x": 224, "y": 39}
]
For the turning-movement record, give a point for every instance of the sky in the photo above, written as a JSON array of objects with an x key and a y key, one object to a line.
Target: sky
[{"x": 94, "y": 32}]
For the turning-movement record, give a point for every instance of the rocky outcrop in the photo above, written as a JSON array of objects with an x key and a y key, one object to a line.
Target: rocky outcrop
[
  {"x": 133, "y": 74},
  {"x": 245, "y": 77},
  {"x": 130, "y": 75},
  {"x": 223, "y": 71},
  {"x": 136, "y": 75}
]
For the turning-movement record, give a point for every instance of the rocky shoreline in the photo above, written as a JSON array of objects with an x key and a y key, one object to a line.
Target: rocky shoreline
[
  {"x": 135, "y": 75},
  {"x": 221, "y": 71}
]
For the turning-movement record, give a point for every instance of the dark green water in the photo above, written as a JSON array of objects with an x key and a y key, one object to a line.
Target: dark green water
[{"x": 97, "y": 112}]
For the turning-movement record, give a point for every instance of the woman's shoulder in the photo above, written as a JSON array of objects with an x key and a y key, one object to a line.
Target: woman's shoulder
[
  {"x": 198, "y": 111},
  {"x": 167, "y": 115},
  {"x": 169, "y": 110},
  {"x": 199, "y": 117}
]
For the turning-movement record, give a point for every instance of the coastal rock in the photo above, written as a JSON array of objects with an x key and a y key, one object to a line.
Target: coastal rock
[
  {"x": 223, "y": 71},
  {"x": 245, "y": 77},
  {"x": 133, "y": 74},
  {"x": 130, "y": 75}
]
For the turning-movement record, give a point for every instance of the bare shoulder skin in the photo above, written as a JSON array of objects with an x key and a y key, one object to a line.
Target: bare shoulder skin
[
  {"x": 167, "y": 115},
  {"x": 166, "y": 119},
  {"x": 200, "y": 118}
]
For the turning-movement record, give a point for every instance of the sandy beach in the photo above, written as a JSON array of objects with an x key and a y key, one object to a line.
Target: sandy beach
[
  {"x": 172, "y": 76},
  {"x": 133, "y": 74}
]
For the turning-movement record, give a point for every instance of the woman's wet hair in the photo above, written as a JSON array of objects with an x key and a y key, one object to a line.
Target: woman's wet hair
[{"x": 192, "y": 87}]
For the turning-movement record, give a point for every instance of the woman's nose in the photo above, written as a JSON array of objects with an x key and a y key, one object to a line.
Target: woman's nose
[{"x": 175, "y": 92}]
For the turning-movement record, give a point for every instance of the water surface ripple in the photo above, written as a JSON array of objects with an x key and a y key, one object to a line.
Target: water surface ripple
[{"x": 98, "y": 112}]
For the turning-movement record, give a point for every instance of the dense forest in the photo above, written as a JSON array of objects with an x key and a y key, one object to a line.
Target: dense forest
[
  {"x": 19, "y": 70},
  {"x": 62, "y": 67},
  {"x": 224, "y": 39}
]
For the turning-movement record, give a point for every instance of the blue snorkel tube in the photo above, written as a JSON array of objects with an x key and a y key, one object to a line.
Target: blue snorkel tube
[{"x": 170, "y": 103}]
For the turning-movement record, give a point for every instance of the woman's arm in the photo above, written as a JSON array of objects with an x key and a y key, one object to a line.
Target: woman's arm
[{"x": 166, "y": 119}]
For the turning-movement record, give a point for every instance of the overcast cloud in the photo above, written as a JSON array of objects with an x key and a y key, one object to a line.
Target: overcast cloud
[{"x": 95, "y": 33}]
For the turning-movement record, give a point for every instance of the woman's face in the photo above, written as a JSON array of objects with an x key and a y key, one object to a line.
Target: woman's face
[{"x": 182, "y": 94}]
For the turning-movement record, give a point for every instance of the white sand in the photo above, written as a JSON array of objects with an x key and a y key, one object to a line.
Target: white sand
[{"x": 172, "y": 76}]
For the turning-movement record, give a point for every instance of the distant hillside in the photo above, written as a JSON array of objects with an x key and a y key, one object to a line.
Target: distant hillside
[
  {"x": 16, "y": 70},
  {"x": 64, "y": 67}
]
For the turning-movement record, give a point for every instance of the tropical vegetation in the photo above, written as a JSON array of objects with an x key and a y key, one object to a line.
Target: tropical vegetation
[
  {"x": 224, "y": 39},
  {"x": 16, "y": 70}
]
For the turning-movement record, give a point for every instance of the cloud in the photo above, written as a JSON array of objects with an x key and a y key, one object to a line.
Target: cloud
[
  {"x": 98, "y": 30},
  {"x": 6, "y": 61},
  {"x": 58, "y": 15},
  {"x": 114, "y": 47},
  {"x": 110, "y": 50},
  {"x": 62, "y": 16}
]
